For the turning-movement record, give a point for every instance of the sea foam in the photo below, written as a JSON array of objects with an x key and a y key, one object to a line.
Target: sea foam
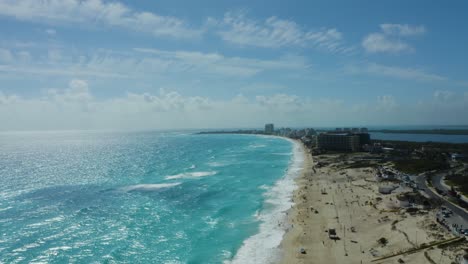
[
  {"x": 187, "y": 175},
  {"x": 263, "y": 247},
  {"x": 149, "y": 187}
]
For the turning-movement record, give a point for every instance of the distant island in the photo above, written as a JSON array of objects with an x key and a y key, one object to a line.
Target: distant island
[{"x": 424, "y": 131}]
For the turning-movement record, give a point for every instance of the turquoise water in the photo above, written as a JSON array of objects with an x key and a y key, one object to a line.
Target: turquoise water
[{"x": 98, "y": 197}]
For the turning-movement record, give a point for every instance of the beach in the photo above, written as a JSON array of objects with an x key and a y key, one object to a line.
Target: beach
[{"x": 368, "y": 225}]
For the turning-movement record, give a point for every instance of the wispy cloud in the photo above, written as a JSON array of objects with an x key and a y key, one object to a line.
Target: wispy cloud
[
  {"x": 443, "y": 95},
  {"x": 386, "y": 103},
  {"x": 390, "y": 38},
  {"x": 378, "y": 42},
  {"x": 395, "y": 72},
  {"x": 274, "y": 32},
  {"x": 5, "y": 55},
  {"x": 51, "y": 32},
  {"x": 112, "y": 14},
  {"x": 141, "y": 62},
  {"x": 215, "y": 63},
  {"x": 403, "y": 29},
  {"x": 57, "y": 71}
]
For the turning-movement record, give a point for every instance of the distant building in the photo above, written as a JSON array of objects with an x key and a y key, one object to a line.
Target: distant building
[
  {"x": 458, "y": 157},
  {"x": 343, "y": 141},
  {"x": 364, "y": 130},
  {"x": 269, "y": 128},
  {"x": 310, "y": 132},
  {"x": 338, "y": 141},
  {"x": 364, "y": 138}
]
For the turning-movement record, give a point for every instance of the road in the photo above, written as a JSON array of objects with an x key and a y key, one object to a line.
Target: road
[{"x": 421, "y": 182}]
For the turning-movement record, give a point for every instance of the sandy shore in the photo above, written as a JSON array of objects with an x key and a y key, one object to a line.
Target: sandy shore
[{"x": 347, "y": 199}]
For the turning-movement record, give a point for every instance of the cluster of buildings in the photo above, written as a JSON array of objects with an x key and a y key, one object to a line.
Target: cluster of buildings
[
  {"x": 289, "y": 132},
  {"x": 340, "y": 139}
]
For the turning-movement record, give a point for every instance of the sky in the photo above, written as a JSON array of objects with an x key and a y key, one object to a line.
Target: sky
[{"x": 172, "y": 64}]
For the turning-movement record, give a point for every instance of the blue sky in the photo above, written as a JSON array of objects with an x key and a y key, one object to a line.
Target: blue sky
[{"x": 96, "y": 64}]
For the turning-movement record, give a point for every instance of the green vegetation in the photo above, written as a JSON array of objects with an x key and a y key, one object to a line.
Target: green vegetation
[
  {"x": 361, "y": 164},
  {"x": 459, "y": 180},
  {"x": 416, "y": 166}
]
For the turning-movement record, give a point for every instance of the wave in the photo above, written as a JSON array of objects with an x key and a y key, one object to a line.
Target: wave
[
  {"x": 256, "y": 146},
  {"x": 263, "y": 247},
  {"x": 217, "y": 164},
  {"x": 148, "y": 187},
  {"x": 282, "y": 154},
  {"x": 188, "y": 175}
]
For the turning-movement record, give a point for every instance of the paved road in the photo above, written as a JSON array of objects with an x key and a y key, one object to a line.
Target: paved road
[
  {"x": 437, "y": 182},
  {"x": 421, "y": 182}
]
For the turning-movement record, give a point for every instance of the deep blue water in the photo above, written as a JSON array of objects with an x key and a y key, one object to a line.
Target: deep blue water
[
  {"x": 101, "y": 197},
  {"x": 420, "y": 137},
  {"x": 415, "y": 137}
]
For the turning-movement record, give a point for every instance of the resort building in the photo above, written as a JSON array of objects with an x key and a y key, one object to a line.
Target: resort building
[
  {"x": 344, "y": 141},
  {"x": 338, "y": 141},
  {"x": 269, "y": 128}
]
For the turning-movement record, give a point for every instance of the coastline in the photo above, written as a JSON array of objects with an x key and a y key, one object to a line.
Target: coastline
[
  {"x": 264, "y": 246},
  {"x": 336, "y": 196}
]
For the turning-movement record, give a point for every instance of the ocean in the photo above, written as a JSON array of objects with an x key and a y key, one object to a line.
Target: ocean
[{"x": 147, "y": 197}]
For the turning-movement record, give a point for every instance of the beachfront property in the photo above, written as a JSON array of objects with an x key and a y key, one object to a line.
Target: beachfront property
[
  {"x": 458, "y": 157},
  {"x": 269, "y": 129},
  {"x": 343, "y": 141}
]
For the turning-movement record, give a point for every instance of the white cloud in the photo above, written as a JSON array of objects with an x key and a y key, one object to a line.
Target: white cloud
[
  {"x": 443, "y": 95},
  {"x": 112, "y": 14},
  {"x": 215, "y": 63},
  {"x": 386, "y": 103},
  {"x": 274, "y": 32},
  {"x": 285, "y": 102},
  {"x": 57, "y": 71},
  {"x": 395, "y": 72},
  {"x": 389, "y": 40},
  {"x": 261, "y": 87},
  {"x": 51, "y": 32},
  {"x": 54, "y": 55},
  {"x": 141, "y": 62},
  {"x": 74, "y": 107},
  {"x": 24, "y": 56},
  {"x": 402, "y": 29},
  {"x": 377, "y": 42},
  {"x": 5, "y": 55}
]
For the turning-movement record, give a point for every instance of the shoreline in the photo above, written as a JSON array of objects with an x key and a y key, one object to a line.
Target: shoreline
[
  {"x": 290, "y": 234},
  {"x": 264, "y": 246},
  {"x": 337, "y": 196}
]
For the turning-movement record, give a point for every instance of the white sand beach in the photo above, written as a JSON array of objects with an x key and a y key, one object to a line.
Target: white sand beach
[{"x": 347, "y": 200}]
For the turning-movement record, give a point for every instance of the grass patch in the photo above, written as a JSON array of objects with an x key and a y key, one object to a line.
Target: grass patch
[
  {"x": 459, "y": 180},
  {"x": 416, "y": 166},
  {"x": 360, "y": 164}
]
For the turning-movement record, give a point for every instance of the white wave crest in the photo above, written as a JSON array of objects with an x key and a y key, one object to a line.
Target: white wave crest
[
  {"x": 148, "y": 187},
  {"x": 188, "y": 175},
  {"x": 263, "y": 247},
  {"x": 216, "y": 164},
  {"x": 256, "y": 146}
]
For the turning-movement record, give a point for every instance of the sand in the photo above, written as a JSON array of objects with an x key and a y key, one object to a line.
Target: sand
[{"x": 346, "y": 199}]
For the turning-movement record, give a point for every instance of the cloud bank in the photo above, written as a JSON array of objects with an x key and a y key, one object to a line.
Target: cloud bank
[{"x": 75, "y": 107}]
